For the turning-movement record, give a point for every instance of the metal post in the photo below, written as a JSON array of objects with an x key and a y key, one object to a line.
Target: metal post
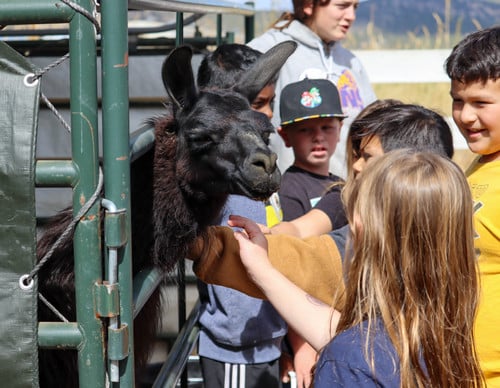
[
  {"x": 87, "y": 244},
  {"x": 181, "y": 266},
  {"x": 249, "y": 24},
  {"x": 35, "y": 11},
  {"x": 218, "y": 36},
  {"x": 115, "y": 119}
]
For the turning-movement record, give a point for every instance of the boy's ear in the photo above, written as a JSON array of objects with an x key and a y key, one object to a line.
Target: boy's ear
[{"x": 284, "y": 135}]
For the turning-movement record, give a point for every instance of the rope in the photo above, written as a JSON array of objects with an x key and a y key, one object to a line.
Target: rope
[
  {"x": 37, "y": 75},
  {"x": 52, "y": 308},
  {"x": 84, "y": 12},
  {"x": 68, "y": 230},
  {"x": 41, "y": 72},
  {"x": 55, "y": 111}
]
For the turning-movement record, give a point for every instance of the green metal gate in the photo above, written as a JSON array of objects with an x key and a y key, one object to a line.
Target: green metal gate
[{"x": 97, "y": 294}]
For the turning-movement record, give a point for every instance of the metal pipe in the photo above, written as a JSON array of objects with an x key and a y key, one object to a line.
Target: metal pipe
[
  {"x": 194, "y": 6},
  {"x": 114, "y": 322},
  {"x": 178, "y": 356},
  {"x": 115, "y": 132},
  {"x": 85, "y": 153},
  {"x": 35, "y": 12},
  {"x": 55, "y": 173},
  {"x": 59, "y": 335},
  {"x": 145, "y": 283},
  {"x": 131, "y": 31}
]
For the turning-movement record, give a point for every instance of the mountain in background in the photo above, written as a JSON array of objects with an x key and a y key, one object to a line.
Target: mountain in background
[
  {"x": 404, "y": 24},
  {"x": 401, "y": 16},
  {"x": 397, "y": 24}
]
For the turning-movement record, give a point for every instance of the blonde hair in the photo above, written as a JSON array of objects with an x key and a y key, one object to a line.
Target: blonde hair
[{"x": 413, "y": 266}]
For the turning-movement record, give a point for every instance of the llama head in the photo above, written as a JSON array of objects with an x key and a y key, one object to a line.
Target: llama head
[{"x": 226, "y": 141}]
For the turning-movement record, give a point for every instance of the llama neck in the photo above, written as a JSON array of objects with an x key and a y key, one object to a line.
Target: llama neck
[{"x": 180, "y": 212}]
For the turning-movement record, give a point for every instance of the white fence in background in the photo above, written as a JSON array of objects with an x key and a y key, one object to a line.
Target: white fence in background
[
  {"x": 409, "y": 66},
  {"x": 404, "y": 66}
]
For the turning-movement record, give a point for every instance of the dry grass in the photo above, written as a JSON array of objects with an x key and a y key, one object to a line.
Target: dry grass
[
  {"x": 435, "y": 96},
  {"x": 464, "y": 158}
]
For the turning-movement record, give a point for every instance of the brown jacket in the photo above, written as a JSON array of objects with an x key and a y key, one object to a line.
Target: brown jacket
[{"x": 314, "y": 264}]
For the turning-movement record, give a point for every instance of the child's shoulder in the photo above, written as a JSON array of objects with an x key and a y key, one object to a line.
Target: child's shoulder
[{"x": 479, "y": 169}]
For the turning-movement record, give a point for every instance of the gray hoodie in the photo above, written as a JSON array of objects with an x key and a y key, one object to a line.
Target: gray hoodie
[{"x": 315, "y": 59}]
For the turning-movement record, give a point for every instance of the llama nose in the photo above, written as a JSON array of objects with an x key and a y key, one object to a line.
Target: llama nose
[{"x": 264, "y": 161}]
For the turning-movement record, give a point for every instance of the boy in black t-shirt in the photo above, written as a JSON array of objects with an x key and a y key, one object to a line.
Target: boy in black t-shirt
[{"x": 311, "y": 118}]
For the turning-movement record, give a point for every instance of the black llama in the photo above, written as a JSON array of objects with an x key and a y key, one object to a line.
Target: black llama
[{"x": 211, "y": 144}]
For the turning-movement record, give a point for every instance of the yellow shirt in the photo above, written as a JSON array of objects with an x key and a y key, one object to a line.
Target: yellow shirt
[
  {"x": 484, "y": 181},
  {"x": 274, "y": 214}
]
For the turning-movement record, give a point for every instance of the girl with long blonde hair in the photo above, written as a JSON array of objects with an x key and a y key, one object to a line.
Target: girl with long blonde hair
[{"x": 411, "y": 280}]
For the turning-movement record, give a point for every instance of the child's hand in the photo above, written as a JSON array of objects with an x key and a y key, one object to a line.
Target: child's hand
[
  {"x": 264, "y": 229},
  {"x": 253, "y": 246}
]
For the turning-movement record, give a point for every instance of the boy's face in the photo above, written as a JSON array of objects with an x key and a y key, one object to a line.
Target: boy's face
[
  {"x": 263, "y": 103},
  {"x": 476, "y": 111},
  {"x": 331, "y": 22},
  {"x": 370, "y": 148},
  {"x": 313, "y": 142}
]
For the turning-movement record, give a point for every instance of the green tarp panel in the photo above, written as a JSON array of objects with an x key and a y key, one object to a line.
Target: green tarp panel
[{"x": 18, "y": 312}]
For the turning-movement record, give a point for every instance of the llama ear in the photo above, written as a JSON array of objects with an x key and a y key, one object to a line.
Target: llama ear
[
  {"x": 265, "y": 69},
  {"x": 178, "y": 78}
]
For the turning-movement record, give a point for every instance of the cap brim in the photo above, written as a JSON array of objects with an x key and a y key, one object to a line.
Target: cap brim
[{"x": 298, "y": 119}]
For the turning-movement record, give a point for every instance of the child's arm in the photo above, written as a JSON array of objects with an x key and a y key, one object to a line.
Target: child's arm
[
  {"x": 309, "y": 317},
  {"x": 314, "y": 223},
  {"x": 314, "y": 264}
]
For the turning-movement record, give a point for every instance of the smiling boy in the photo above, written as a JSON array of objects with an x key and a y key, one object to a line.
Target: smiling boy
[{"x": 474, "y": 70}]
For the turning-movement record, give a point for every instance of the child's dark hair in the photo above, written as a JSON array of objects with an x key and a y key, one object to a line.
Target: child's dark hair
[
  {"x": 404, "y": 126},
  {"x": 223, "y": 68},
  {"x": 476, "y": 57}
]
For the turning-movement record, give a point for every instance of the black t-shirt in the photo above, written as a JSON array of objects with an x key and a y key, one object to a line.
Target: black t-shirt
[
  {"x": 301, "y": 190},
  {"x": 331, "y": 204}
]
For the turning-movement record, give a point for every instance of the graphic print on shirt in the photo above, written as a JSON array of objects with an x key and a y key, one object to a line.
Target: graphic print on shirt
[
  {"x": 477, "y": 206},
  {"x": 347, "y": 86},
  {"x": 350, "y": 96},
  {"x": 314, "y": 201}
]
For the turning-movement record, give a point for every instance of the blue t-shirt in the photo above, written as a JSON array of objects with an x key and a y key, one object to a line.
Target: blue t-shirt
[
  {"x": 235, "y": 327},
  {"x": 343, "y": 364}
]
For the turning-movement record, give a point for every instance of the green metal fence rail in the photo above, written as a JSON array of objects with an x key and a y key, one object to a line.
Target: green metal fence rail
[{"x": 115, "y": 292}]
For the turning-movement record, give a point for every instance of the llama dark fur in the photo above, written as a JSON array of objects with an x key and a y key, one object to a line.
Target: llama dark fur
[{"x": 211, "y": 144}]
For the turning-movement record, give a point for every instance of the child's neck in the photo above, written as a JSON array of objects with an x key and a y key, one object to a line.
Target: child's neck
[{"x": 494, "y": 157}]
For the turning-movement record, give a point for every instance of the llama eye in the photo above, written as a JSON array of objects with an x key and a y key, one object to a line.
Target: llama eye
[{"x": 201, "y": 141}]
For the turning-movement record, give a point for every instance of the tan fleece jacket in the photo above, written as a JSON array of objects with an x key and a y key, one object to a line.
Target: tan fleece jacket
[{"x": 314, "y": 264}]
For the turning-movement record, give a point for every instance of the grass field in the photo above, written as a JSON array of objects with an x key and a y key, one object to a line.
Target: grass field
[{"x": 435, "y": 96}]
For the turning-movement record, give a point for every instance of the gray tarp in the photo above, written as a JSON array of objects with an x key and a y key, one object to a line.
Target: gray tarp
[{"x": 18, "y": 313}]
